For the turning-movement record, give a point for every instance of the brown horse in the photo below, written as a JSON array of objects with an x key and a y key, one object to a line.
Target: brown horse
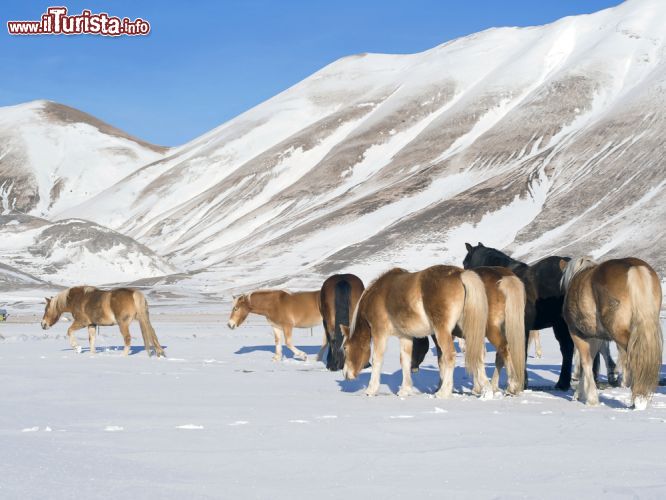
[
  {"x": 339, "y": 295},
  {"x": 283, "y": 310},
  {"x": 505, "y": 328},
  {"x": 91, "y": 307},
  {"x": 618, "y": 300},
  {"x": 412, "y": 305}
]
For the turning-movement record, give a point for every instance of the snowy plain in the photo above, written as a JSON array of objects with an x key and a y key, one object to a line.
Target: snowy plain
[{"x": 219, "y": 419}]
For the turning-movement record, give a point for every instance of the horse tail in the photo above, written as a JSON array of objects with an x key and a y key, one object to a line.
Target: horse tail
[
  {"x": 514, "y": 326},
  {"x": 645, "y": 339},
  {"x": 343, "y": 306},
  {"x": 147, "y": 330},
  {"x": 474, "y": 320}
]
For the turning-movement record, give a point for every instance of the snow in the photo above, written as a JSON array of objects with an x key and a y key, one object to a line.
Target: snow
[{"x": 107, "y": 426}]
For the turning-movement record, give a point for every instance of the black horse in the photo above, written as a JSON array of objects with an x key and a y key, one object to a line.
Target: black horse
[{"x": 544, "y": 301}]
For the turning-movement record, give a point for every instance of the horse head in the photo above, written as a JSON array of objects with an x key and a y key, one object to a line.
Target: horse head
[
  {"x": 51, "y": 313},
  {"x": 482, "y": 255},
  {"x": 356, "y": 345},
  {"x": 239, "y": 311}
]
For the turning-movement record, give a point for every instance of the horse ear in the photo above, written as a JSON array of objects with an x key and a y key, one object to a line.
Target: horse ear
[
  {"x": 345, "y": 330},
  {"x": 48, "y": 299},
  {"x": 468, "y": 247},
  {"x": 563, "y": 265},
  {"x": 480, "y": 244}
]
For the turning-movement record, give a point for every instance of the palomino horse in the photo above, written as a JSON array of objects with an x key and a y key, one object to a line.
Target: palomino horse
[
  {"x": 409, "y": 305},
  {"x": 505, "y": 328},
  {"x": 91, "y": 307},
  {"x": 283, "y": 310},
  {"x": 339, "y": 296},
  {"x": 544, "y": 297},
  {"x": 618, "y": 300}
]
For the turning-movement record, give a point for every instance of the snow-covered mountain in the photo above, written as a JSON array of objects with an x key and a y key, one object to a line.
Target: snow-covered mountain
[
  {"x": 536, "y": 140},
  {"x": 54, "y": 157}
]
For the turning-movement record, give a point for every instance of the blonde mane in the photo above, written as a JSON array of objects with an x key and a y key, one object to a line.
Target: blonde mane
[
  {"x": 59, "y": 301},
  {"x": 573, "y": 268}
]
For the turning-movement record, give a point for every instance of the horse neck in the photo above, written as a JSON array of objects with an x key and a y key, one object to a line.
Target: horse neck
[{"x": 261, "y": 303}]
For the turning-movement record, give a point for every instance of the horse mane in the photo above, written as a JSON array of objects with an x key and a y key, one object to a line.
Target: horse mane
[
  {"x": 352, "y": 323},
  {"x": 573, "y": 268},
  {"x": 60, "y": 299}
]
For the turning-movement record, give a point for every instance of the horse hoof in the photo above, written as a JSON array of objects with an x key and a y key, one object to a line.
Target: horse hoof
[
  {"x": 405, "y": 392},
  {"x": 277, "y": 358},
  {"x": 640, "y": 403},
  {"x": 78, "y": 349},
  {"x": 443, "y": 394}
]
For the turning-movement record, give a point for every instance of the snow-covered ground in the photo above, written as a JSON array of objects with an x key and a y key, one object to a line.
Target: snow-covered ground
[{"x": 219, "y": 419}]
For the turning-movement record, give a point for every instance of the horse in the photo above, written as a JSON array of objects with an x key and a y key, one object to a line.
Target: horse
[
  {"x": 619, "y": 300},
  {"x": 283, "y": 310},
  {"x": 543, "y": 308},
  {"x": 505, "y": 327},
  {"x": 338, "y": 298},
  {"x": 408, "y": 305},
  {"x": 91, "y": 307}
]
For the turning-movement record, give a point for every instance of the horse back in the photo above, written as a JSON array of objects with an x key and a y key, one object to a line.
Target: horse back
[
  {"x": 303, "y": 307},
  {"x": 92, "y": 306}
]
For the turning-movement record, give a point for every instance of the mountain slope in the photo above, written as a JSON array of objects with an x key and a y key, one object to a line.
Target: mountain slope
[
  {"x": 53, "y": 157},
  {"x": 543, "y": 140},
  {"x": 540, "y": 140}
]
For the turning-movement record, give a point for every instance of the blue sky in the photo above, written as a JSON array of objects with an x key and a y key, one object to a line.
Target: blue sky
[{"x": 208, "y": 61}]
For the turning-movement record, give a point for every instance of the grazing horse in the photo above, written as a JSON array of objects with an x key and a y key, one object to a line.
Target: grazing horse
[
  {"x": 339, "y": 296},
  {"x": 408, "y": 305},
  {"x": 543, "y": 308},
  {"x": 283, "y": 310},
  {"x": 91, "y": 307},
  {"x": 505, "y": 328},
  {"x": 619, "y": 300}
]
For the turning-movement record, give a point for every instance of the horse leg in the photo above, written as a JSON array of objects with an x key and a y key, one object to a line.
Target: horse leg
[
  {"x": 379, "y": 341},
  {"x": 277, "y": 333},
  {"x": 92, "y": 330},
  {"x": 124, "y": 329},
  {"x": 419, "y": 350},
  {"x": 290, "y": 344},
  {"x": 446, "y": 363},
  {"x": 566, "y": 348},
  {"x": 499, "y": 364},
  {"x": 407, "y": 388},
  {"x": 72, "y": 339},
  {"x": 587, "y": 389},
  {"x": 596, "y": 364},
  {"x": 324, "y": 345},
  {"x": 611, "y": 367},
  {"x": 576, "y": 366},
  {"x": 494, "y": 335},
  {"x": 535, "y": 338},
  {"x": 625, "y": 380}
]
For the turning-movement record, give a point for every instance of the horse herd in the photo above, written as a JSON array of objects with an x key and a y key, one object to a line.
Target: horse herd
[{"x": 492, "y": 297}]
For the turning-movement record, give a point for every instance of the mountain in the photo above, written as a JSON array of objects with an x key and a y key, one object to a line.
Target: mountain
[
  {"x": 74, "y": 251},
  {"x": 54, "y": 157},
  {"x": 542, "y": 140}
]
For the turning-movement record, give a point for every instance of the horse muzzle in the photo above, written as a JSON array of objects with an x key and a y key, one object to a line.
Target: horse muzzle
[
  {"x": 45, "y": 325},
  {"x": 231, "y": 325},
  {"x": 347, "y": 374}
]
